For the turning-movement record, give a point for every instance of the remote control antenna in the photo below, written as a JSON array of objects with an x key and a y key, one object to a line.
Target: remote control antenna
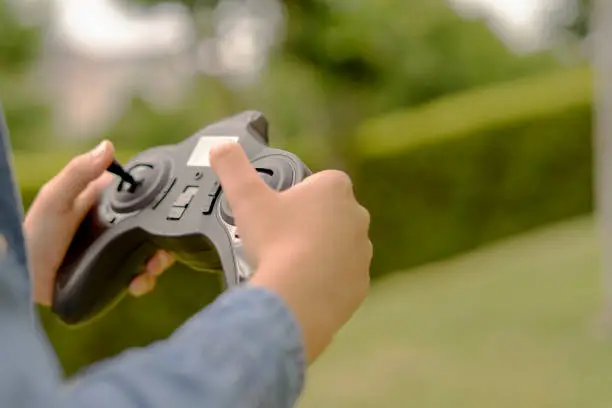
[{"x": 116, "y": 168}]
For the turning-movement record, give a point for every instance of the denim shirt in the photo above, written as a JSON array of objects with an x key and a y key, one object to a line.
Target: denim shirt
[{"x": 244, "y": 350}]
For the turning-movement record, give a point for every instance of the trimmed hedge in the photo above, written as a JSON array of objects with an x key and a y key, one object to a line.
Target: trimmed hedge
[
  {"x": 469, "y": 113},
  {"x": 438, "y": 180},
  {"x": 476, "y": 167}
]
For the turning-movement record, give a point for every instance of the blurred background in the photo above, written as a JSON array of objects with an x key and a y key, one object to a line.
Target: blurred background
[{"x": 466, "y": 125}]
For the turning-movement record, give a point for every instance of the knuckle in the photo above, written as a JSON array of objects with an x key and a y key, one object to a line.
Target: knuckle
[
  {"x": 45, "y": 190},
  {"x": 366, "y": 251},
  {"x": 75, "y": 164},
  {"x": 338, "y": 179},
  {"x": 365, "y": 286},
  {"x": 76, "y": 168},
  {"x": 221, "y": 153},
  {"x": 365, "y": 214}
]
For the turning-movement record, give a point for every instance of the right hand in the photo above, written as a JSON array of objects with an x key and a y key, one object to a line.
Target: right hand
[{"x": 309, "y": 243}]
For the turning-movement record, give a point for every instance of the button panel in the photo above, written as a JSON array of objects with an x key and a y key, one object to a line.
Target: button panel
[
  {"x": 175, "y": 213},
  {"x": 182, "y": 202},
  {"x": 209, "y": 204},
  {"x": 185, "y": 197}
]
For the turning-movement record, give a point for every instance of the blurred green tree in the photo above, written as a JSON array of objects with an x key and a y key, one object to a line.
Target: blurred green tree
[
  {"x": 18, "y": 44},
  {"x": 580, "y": 24},
  {"x": 343, "y": 61},
  {"x": 404, "y": 52},
  {"x": 21, "y": 103},
  {"x": 377, "y": 56},
  {"x": 192, "y": 4}
]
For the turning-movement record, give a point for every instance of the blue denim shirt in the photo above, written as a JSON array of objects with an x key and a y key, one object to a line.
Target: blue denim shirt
[{"x": 245, "y": 350}]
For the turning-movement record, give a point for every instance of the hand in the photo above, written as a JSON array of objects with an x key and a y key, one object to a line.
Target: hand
[
  {"x": 57, "y": 212},
  {"x": 309, "y": 243}
]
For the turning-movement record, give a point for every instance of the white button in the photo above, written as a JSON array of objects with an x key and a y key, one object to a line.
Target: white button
[{"x": 3, "y": 246}]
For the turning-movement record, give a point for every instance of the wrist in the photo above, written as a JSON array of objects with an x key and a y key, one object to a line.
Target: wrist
[
  {"x": 308, "y": 312},
  {"x": 41, "y": 283}
]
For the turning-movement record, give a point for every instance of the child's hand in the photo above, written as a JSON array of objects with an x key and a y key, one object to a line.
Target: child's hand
[{"x": 56, "y": 214}]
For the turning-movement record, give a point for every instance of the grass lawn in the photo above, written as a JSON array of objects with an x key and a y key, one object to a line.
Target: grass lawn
[{"x": 512, "y": 325}]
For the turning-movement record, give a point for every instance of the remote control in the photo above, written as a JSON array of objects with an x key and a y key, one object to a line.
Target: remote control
[{"x": 178, "y": 205}]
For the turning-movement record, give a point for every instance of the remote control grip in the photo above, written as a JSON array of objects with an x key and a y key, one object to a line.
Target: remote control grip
[
  {"x": 98, "y": 269},
  {"x": 227, "y": 258}
]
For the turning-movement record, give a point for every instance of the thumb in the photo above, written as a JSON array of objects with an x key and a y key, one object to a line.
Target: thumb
[
  {"x": 74, "y": 178},
  {"x": 241, "y": 184}
]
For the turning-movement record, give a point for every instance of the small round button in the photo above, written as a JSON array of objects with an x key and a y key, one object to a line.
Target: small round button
[{"x": 282, "y": 171}]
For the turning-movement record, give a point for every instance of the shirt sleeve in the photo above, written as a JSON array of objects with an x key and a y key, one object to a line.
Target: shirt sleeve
[{"x": 245, "y": 350}]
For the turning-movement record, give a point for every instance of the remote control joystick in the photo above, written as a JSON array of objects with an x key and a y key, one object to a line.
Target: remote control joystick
[
  {"x": 150, "y": 177},
  {"x": 175, "y": 203},
  {"x": 116, "y": 168}
]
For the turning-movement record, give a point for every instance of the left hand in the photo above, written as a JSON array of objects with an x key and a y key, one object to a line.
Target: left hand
[{"x": 57, "y": 212}]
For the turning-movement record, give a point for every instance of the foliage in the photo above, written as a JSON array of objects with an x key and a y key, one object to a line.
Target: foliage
[
  {"x": 476, "y": 166},
  {"x": 370, "y": 43},
  {"x": 341, "y": 62},
  {"x": 431, "y": 195},
  {"x": 581, "y": 24},
  {"x": 470, "y": 112},
  {"x": 18, "y": 45},
  {"x": 377, "y": 56},
  {"x": 459, "y": 173},
  {"x": 19, "y": 99},
  {"x": 344, "y": 61},
  {"x": 189, "y": 3}
]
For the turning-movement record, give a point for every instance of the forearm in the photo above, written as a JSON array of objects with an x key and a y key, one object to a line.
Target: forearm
[{"x": 243, "y": 351}]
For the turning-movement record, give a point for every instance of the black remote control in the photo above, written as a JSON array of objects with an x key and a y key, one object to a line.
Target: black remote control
[{"x": 177, "y": 205}]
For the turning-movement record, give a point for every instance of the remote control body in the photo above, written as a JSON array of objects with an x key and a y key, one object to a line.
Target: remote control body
[{"x": 178, "y": 206}]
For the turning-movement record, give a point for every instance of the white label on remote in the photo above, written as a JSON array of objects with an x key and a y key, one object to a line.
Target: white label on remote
[{"x": 200, "y": 155}]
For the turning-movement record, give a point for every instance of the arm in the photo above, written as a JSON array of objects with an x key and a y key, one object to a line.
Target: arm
[{"x": 245, "y": 350}]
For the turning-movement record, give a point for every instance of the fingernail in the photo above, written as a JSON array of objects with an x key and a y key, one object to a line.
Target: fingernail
[
  {"x": 155, "y": 267},
  {"x": 139, "y": 287},
  {"x": 160, "y": 263},
  {"x": 222, "y": 149},
  {"x": 99, "y": 150},
  {"x": 167, "y": 259}
]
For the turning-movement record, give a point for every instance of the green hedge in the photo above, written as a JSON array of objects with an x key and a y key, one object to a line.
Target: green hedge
[
  {"x": 438, "y": 180},
  {"x": 476, "y": 167}
]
